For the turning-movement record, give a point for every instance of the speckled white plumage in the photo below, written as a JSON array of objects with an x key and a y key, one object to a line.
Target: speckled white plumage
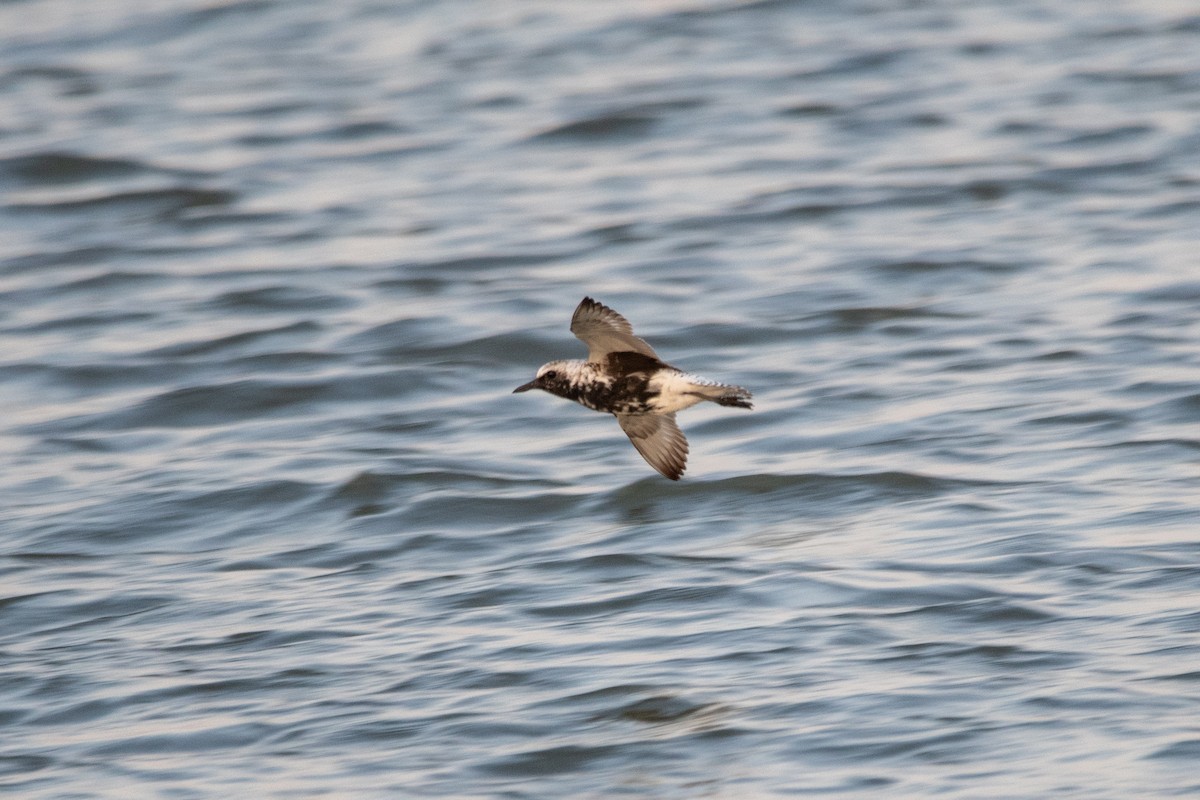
[{"x": 623, "y": 376}]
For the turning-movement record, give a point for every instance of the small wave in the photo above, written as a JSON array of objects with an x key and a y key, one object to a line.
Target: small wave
[
  {"x": 197, "y": 741},
  {"x": 79, "y": 323},
  {"x": 1185, "y": 292},
  {"x": 276, "y": 298},
  {"x": 162, "y": 203},
  {"x": 619, "y": 126},
  {"x": 888, "y": 485},
  {"x": 1187, "y": 750},
  {"x": 1109, "y": 420},
  {"x": 49, "y": 257},
  {"x": 658, "y": 710},
  {"x": 235, "y": 342},
  {"x": 467, "y": 266},
  {"x": 40, "y": 169},
  {"x": 202, "y": 405},
  {"x": 557, "y": 760},
  {"x": 639, "y": 601},
  {"x": 25, "y": 765},
  {"x": 1183, "y": 410},
  {"x": 856, "y": 319},
  {"x": 926, "y": 266}
]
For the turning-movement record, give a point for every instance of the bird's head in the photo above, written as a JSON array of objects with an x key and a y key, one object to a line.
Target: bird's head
[{"x": 554, "y": 378}]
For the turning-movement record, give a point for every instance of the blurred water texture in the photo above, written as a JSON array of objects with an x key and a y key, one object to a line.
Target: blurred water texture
[{"x": 274, "y": 527}]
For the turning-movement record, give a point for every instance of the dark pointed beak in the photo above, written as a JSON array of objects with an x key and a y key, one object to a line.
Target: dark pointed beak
[{"x": 533, "y": 384}]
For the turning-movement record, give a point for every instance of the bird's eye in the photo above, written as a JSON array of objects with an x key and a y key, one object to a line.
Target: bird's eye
[{"x": 551, "y": 375}]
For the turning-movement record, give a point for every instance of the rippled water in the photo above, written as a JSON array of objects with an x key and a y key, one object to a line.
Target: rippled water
[{"x": 274, "y": 526}]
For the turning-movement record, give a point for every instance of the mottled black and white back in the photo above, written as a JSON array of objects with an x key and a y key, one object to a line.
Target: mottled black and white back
[{"x": 623, "y": 376}]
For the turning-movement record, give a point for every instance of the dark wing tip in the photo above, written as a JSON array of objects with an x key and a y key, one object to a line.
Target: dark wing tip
[
  {"x": 659, "y": 441},
  {"x": 672, "y": 470}
]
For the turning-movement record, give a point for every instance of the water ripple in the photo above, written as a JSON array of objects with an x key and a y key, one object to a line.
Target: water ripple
[{"x": 271, "y": 509}]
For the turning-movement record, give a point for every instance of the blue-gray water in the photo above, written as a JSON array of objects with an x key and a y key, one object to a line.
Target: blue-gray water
[{"x": 273, "y": 526}]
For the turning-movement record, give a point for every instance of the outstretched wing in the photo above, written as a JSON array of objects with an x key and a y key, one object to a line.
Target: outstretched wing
[
  {"x": 659, "y": 440},
  {"x": 605, "y": 331}
]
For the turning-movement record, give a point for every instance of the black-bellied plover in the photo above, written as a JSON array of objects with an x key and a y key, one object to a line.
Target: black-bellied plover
[{"x": 624, "y": 377}]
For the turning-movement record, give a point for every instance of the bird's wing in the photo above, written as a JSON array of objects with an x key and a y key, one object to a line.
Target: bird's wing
[
  {"x": 659, "y": 440},
  {"x": 605, "y": 331}
]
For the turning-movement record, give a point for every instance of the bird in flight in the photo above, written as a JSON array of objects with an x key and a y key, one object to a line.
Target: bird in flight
[{"x": 623, "y": 376}]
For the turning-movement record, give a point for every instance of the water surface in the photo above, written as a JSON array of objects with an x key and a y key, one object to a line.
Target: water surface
[{"x": 274, "y": 525}]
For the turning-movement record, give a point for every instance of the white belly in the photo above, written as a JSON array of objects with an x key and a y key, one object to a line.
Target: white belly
[{"x": 676, "y": 391}]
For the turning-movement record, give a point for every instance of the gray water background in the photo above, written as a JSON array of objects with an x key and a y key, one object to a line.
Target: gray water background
[{"x": 272, "y": 526}]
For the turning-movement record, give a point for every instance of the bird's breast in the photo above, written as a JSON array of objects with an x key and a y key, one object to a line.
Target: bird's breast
[{"x": 616, "y": 394}]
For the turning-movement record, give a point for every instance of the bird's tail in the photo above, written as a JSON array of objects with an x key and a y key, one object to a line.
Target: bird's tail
[{"x": 725, "y": 395}]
